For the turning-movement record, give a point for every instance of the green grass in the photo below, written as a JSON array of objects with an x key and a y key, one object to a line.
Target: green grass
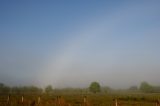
[{"x": 137, "y": 99}]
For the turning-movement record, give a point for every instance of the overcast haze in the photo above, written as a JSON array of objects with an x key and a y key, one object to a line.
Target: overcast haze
[{"x": 70, "y": 43}]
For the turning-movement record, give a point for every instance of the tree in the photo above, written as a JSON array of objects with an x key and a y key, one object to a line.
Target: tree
[
  {"x": 49, "y": 89},
  {"x": 145, "y": 87},
  {"x": 133, "y": 88},
  {"x": 156, "y": 89},
  {"x": 4, "y": 89},
  {"x": 95, "y": 87},
  {"x": 106, "y": 89}
]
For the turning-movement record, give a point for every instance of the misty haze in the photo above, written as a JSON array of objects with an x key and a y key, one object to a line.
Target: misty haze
[{"x": 72, "y": 44}]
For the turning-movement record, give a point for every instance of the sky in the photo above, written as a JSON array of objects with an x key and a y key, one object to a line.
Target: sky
[{"x": 71, "y": 43}]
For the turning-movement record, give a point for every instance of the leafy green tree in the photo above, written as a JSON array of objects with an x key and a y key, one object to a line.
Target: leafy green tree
[
  {"x": 49, "y": 89},
  {"x": 145, "y": 87},
  {"x": 95, "y": 87}
]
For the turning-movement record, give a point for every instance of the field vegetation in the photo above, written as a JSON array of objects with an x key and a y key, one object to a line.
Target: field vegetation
[{"x": 94, "y": 95}]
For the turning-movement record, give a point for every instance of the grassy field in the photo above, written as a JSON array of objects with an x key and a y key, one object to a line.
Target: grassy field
[{"x": 136, "y": 99}]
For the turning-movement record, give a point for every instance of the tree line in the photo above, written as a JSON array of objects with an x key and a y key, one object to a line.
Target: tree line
[
  {"x": 94, "y": 87},
  {"x": 148, "y": 88}
]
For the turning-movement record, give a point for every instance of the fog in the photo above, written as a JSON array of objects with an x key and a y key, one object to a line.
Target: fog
[{"x": 71, "y": 44}]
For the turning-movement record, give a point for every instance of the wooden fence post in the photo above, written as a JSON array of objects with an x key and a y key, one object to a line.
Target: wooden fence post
[
  {"x": 116, "y": 103},
  {"x": 157, "y": 102},
  {"x": 39, "y": 100},
  {"x": 85, "y": 101}
]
